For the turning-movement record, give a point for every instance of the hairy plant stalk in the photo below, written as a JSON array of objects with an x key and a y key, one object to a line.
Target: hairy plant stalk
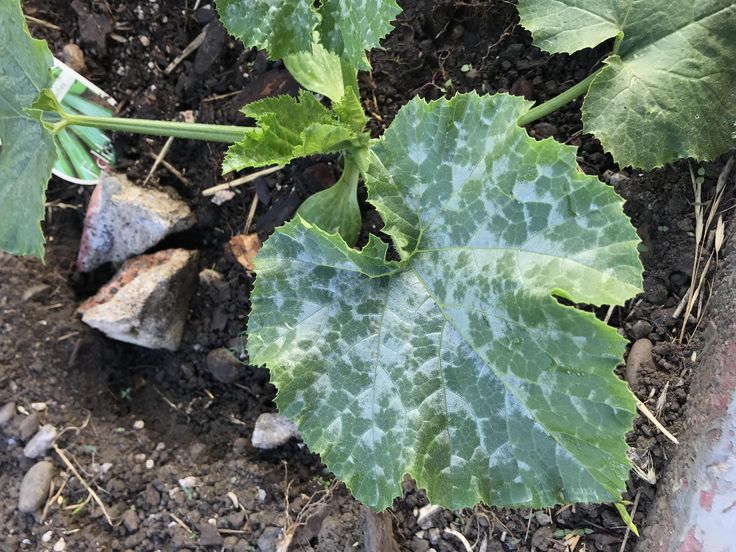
[
  {"x": 193, "y": 131},
  {"x": 550, "y": 106}
]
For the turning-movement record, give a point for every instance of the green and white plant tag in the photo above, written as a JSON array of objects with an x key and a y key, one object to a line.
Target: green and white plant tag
[{"x": 82, "y": 152}]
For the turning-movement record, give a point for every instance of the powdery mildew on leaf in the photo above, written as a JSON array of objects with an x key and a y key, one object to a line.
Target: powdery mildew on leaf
[
  {"x": 283, "y": 27},
  {"x": 27, "y": 151},
  {"x": 351, "y": 27},
  {"x": 671, "y": 92},
  {"x": 457, "y": 365},
  {"x": 287, "y": 129},
  {"x": 280, "y": 27}
]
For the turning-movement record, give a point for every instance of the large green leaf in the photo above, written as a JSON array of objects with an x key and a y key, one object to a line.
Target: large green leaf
[
  {"x": 285, "y": 27},
  {"x": 288, "y": 129},
  {"x": 281, "y": 27},
  {"x": 457, "y": 364},
  {"x": 27, "y": 149},
  {"x": 350, "y": 27},
  {"x": 671, "y": 91}
]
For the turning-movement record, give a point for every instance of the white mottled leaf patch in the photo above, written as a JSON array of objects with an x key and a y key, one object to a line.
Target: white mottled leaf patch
[{"x": 457, "y": 364}]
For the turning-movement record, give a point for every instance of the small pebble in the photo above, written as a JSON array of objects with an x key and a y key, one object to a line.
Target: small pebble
[
  {"x": 209, "y": 535},
  {"x": 46, "y": 537},
  {"x": 60, "y": 545},
  {"x": 428, "y": 515},
  {"x": 139, "y": 458},
  {"x": 145, "y": 41},
  {"x": 189, "y": 482},
  {"x": 640, "y": 356},
  {"x": 130, "y": 520},
  {"x": 542, "y": 518},
  {"x": 40, "y": 442},
  {"x": 149, "y": 464},
  {"x": 38, "y": 406},
  {"x": 73, "y": 56},
  {"x": 35, "y": 293},
  {"x": 272, "y": 431},
  {"x": 29, "y": 426},
  {"x": 34, "y": 488},
  {"x": 139, "y": 424},
  {"x": 223, "y": 365},
  {"x": 641, "y": 329},
  {"x": 7, "y": 413}
]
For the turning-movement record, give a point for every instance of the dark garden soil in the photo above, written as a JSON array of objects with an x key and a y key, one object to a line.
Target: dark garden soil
[{"x": 96, "y": 389}]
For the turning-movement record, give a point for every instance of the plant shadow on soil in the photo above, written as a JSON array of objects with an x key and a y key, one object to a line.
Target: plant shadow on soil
[{"x": 195, "y": 426}]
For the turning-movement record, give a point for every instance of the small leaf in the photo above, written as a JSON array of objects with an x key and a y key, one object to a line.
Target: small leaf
[
  {"x": 673, "y": 84},
  {"x": 287, "y": 129},
  {"x": 350, "y": 27},
  {"x": 280, "y": 27},
  {"x": 27, "y": 151},
  {"x": 457, "y": 365},
  {"x": 626, "y": 518},
  {"x": 319, "y": 71}
]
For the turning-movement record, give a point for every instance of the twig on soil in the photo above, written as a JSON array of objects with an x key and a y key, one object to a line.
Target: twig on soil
[
  {"x": 648, "y": 413},
  {"x": 240, "y": 181},
  {"x": 53, "y": 498},
  {"x": 193, "y": 45},
  {"x": 702, "y": 228},
  {"x": 167, "y": 401},
  {"x": 459, "y": 536},
  {"x": 609, "y": 313},
  {"x": 217, "y": 97},
  {"x": 681, "y": 306},
  {"x": 43, "y": 23},
  {"x": 76, "y": 429},
  {"x": 89, "y": 489},
  {"x": 183, "y": 525},
  {"x": 628, "y": 529},
  {"x": 171, "y": 168},
  {"x": 251, "y": 213},
  {"x": 159, "y": 158}
]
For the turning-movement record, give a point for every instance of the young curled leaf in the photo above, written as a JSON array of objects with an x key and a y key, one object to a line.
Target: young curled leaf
[
  {"x": 457, "y": 365},
  {"x": 288, "y": 128}
]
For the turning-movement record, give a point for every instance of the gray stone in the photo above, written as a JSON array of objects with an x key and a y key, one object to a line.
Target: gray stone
[
  {"x": 268, "y": 541},
  {"x": 124, "y": 220},
  {"x": 34, "y": 489},
  {"x": 209, "y": 535},
  {"x": 130, "y": 520},
  {"x": 641, "y": 329},
  {"x": 147, "y": 301},
  {"x": 223, "y": 365},
  {"x": 639, "y": 358},
  {"x": 7, "y": 413},
  {"x": 29, "y": 426},
  {"x": 36, "y": 293},
  {"x": 40, "y": 442},
  {"x": 272, "y": 430},
  {"x": 428, "y": 515}
]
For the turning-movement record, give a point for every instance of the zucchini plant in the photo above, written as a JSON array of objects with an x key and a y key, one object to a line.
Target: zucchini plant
[{"x": 449, "y": 358}]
